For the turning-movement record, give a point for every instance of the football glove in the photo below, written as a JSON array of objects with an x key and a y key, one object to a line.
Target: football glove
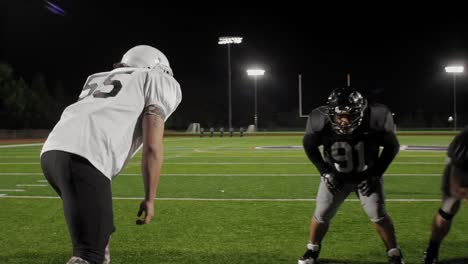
[
  {"x": 369, "y": 185},
  {"x": 334, "y": 185}
]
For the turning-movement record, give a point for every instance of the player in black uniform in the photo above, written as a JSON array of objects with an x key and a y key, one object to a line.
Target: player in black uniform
[
  {"x": 454, "y": 189},
  {"x": 351, "y": 133}
]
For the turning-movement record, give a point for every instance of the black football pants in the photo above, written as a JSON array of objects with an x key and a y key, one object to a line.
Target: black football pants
[{"x": 87, "y": 202}]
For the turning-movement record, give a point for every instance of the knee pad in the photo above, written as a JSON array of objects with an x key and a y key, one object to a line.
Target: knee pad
[
  {"x": 321, "y": 219},
  {"x": 377, "y": 214},
  {"x": 378, "y": 218},
  {"x": 445, "y": 215}
]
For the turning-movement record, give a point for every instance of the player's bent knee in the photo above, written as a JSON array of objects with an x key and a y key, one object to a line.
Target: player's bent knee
[
  {"x": 446, "y": 216},
  {"x": 378, "y": 219},
  {"x": 321, "y": 219}
]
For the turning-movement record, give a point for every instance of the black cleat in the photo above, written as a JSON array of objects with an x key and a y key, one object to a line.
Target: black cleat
[
  {"x": 430, "y": 257},
  {"x": 395, "y": 256},
  {"x": 395, "y": 260},
  {"x": 309, "y": 257}
]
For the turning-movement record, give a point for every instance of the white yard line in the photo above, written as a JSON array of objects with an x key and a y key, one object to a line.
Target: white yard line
[
  {"x": 19, "y": 157},
  {"x": 20, "y": 163},
  {"x": 177, "y": 139},
  {"x": 20, "y": 173},
  {"x": 21, "y": 145},
  {"x": 11, "y": 190},
  {"x": 5, "y": 153},
  {"x": 135, "y": 164},
  {"x": 233, "y": 174},
  {"x": 226, "y": 199},
  {"x": 32, "y": 185},
  {"x": 219, "y": 156},
  {"x": 285, "y": 163},
  {"x": 273, "y": 174}
]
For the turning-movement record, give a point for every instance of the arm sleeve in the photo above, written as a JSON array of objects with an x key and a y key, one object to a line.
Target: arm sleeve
[
  {"x": 390, "y": 144},
  {"x": 311, "y": 143},
  {"x": 312, "y": 140}
]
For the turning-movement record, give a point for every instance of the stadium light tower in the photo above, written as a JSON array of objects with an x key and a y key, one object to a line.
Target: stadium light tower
[
  {"x": 255, "y": 73},
  {"x": 454, "y": 69},
  {"x": 228, "y": 41}
]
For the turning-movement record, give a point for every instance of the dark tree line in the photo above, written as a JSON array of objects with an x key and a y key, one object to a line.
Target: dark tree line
[
  {"x": 34, "y": 104},
  {"x": 38, "y": 103}
]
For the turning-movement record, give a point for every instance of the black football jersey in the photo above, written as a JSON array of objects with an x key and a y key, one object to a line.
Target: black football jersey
[
  {"x": 351, "y": 155},
  {"x": 456, "y": 155}
]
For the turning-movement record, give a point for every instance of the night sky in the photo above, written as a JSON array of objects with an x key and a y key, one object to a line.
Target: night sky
[{"x": 393, "y": 58}]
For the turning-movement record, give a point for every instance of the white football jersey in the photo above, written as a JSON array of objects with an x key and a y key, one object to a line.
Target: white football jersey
[{"x": 105, "y": 124}]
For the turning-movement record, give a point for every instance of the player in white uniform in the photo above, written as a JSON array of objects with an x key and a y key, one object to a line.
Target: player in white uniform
[{"x": 117, "y": 113}]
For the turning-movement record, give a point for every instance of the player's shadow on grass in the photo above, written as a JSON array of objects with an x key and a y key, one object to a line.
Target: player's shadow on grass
[{"x": 455, "y": 261}]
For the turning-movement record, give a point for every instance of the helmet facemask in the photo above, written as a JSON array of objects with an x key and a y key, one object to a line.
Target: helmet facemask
[{"x": 346, "y": 110}]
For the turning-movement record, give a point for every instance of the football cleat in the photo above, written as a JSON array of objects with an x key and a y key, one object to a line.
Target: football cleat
[
  {"x": 310, "y": 256},
  {"x": 395, "y": 256},
  {"x": 77, "y": 260},
  {"x": 429, "y": 258},
  {"x": 395, "y": 260}
]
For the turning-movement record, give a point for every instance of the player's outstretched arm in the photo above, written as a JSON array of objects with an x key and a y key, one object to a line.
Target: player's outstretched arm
[{"x": 151, "y": 163}]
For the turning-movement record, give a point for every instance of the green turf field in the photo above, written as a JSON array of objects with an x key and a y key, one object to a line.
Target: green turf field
[{"x": 223, "y": 201}]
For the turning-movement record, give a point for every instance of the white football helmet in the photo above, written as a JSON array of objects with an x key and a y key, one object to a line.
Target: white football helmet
[{"x": 144, "y": 56}]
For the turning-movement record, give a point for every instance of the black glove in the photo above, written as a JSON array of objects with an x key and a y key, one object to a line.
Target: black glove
[
  {"x": 369, "y": 185},
  {"x": 334, "y": 185}
]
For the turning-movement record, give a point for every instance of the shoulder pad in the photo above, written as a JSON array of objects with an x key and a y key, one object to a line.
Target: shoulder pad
[
  {"x": 317, "y": 119},
  {"x": 458, "y": 149},
  {"x": 381, "y": 118}
]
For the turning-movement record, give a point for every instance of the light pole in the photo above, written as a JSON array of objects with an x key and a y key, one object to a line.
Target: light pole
[
  {"x": 255, "y": 73},
  {"x": 454, "y": 69},
  {"x": 228, "y": 41}
]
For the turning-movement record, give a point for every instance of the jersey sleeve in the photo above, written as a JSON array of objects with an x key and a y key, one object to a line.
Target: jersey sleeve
[
  {"x": 382, "y": 122},
  {"x": 316, "y": 120},
  {"x": 381, "y": 118},
  {"x": 458, "y": 150},
  {"x": 162, "y": 91},
  {"x": 389, "y": 138},
  {"x": 313, "y": 139},
  {"x": 388, "y": 125}
]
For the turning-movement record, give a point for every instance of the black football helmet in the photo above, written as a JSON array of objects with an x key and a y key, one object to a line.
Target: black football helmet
[{"x": 346, "y": 109}]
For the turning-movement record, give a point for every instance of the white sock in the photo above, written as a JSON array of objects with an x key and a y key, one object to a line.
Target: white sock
[
  {"x": 313, "y": 247},
  {"x": 394, "y": 252}
]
